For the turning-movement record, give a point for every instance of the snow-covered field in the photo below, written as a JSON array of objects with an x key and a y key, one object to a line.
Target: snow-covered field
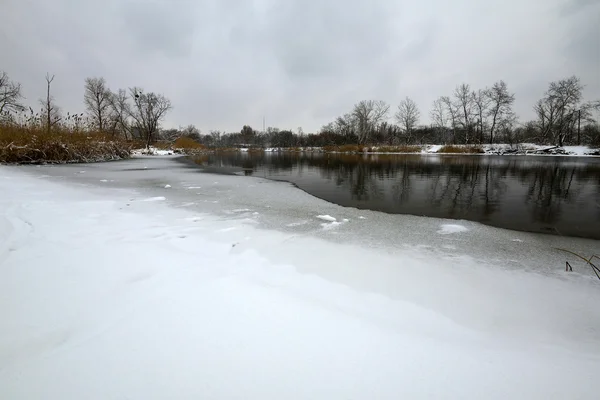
[{"x": 141, "y": 280}]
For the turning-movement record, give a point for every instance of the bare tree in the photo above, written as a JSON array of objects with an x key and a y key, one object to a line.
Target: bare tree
[
  {"x": 407, "y": 116},
  {"x": 464, "y": 102},
  {"x": 148, "y": 111},
  {"x": 97, "y": 99},
  {"x": 547, "y": 115},
  {"x": 49, "y": 109},
  {"x": 216, "y": 137},
  {"x": 481, "y": 104},
  {"x": 345, "y": 125},
  {"x": 453, "y": 113},
  {"x": 500, "y": 103},
  {"x": 438, "y": 113},
  {"x": 120, "y": 112},
  {"x": 191, "y": 132},
  {"x": 557, "y": 108},
  {"x": 10, "y": 95},
  {"x": 368, "y": 114}
]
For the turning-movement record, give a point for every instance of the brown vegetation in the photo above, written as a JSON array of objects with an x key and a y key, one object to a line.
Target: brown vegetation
[
  {"x": 468, "y": 149},
  {"x": 35, "y": 145},
  {"x": 398, "y": 149}
]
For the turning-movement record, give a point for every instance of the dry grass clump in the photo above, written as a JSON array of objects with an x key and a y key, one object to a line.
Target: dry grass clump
[
  {"x": 32, "y": 145},
  {"x": 186, "y": 143},
  {"x": 345, "y": 148},
  {"x": 161, "y": 145},
  {"x": 355, "y": 148},
  {"x": 467, "y": 149},
  {"x": 398, "y": 149}
]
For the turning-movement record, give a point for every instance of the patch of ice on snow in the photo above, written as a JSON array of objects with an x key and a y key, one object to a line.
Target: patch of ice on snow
[
  {"x": 157, "y": 198},
  {"x": 328, "y": 218},
  {"x": 448, "y": 229}
]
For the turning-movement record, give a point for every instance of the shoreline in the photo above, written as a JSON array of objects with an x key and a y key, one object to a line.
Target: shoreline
[{"x": 485, "y": 150}]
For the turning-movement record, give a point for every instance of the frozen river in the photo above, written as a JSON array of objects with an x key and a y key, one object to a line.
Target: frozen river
[{"x": 283, "y": 207}]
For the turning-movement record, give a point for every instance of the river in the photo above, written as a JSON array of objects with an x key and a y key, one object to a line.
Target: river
[{"x": 544, "y": 194}]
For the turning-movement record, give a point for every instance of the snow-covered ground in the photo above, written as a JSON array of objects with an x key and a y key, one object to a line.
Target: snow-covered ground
[
  {"x": 147, "y": 279},
  {"x": 152, "y": 151},
  {"x": 490, "y": 149}
]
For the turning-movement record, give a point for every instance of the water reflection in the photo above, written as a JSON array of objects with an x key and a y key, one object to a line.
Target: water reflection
[{"x": 542, "y": 194}]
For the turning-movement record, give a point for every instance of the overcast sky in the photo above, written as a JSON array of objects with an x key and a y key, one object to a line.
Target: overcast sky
[{"x": 226, "y": 63}]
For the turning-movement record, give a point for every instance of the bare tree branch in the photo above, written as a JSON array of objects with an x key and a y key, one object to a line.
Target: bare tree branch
[
  {"x": 148, "y": 110},
  {"x": 368, "y": 114},
  {"x": 10, "y": 95},
  {"x": 500, "y": 105},
  {"x": 464, "y": 100},
  {"x": 453, "y": 112},
  {"x": 556, "y": 109},
  {"x": 97, "y": 102},
  {"x": 49, "y": 109},
  {"x": 407, "y": 116},
  {"x": 120, "y": 111}
]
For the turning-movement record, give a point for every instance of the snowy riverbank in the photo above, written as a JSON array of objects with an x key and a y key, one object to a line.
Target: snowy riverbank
[
  {"x": 487, "y": 149},
  {"x": 109, "y": 291}
]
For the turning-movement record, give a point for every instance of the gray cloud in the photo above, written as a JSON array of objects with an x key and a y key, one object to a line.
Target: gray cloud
[
  {"x": 158, "y": 26},
  {"x": 298, "y": 63}
]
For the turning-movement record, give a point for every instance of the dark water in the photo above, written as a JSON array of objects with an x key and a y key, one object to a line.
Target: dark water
[{"x": 556, "y": 195}]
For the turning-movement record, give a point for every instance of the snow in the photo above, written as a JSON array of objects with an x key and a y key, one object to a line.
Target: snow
[
  {"x": 103, "y": 301},
  {"x": 448, "y": 229},
  {"x": 578, "y": 150},
  {"x": 151, "y": 151},
  {"x": 328, "y": 218},
  {"x": 490, "y": 149},
  {"x": 434, "y": 148},
  {"x": 157, "y": 198}
]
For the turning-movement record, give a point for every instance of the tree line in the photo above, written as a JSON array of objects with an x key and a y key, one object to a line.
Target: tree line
[
  {"x": 467, "y": 116},
  {"x": 475, "y": 117}
]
